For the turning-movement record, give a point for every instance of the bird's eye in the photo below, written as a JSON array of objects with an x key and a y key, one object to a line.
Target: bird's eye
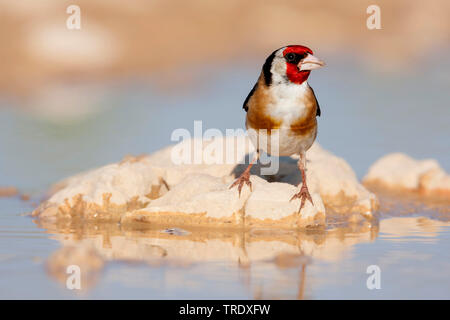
[{"x": 290, "y": 57}]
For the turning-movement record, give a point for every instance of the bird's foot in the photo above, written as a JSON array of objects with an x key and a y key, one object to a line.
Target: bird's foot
[
  {"x": 244, "y": 178},
  {"x": 303, "y": 194}
]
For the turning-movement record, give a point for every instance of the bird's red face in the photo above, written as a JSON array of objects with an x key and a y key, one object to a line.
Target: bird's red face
[{"x": 299, "y": 63}]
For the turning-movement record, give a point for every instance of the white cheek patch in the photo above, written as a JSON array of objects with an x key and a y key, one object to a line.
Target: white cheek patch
[{"x": 279, "y": 68}]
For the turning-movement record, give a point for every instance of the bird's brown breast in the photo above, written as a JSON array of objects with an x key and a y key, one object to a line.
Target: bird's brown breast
[
  {"x": 308, "y": 122},
  {"x": 259, "y": 116}
]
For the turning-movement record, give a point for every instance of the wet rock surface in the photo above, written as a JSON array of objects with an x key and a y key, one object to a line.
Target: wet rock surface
[{"x": 163, "y": 187}]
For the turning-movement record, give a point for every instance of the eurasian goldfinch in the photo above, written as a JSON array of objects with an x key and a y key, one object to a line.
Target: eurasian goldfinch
[{"x": 282, "y": 100}]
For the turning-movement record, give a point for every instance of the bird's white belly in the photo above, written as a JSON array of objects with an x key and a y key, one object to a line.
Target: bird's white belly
[{"x": 281, "y": 142}]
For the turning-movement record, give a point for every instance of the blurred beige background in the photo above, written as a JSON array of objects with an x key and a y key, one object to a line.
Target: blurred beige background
[{"x": 128, "y": 38}]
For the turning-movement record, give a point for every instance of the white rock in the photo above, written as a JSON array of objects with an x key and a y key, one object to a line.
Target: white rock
[
  {"x": 104, "y": 192},
  {"x": 136, "y": 188},
  {"x": 123, "y": 181},
  {"x": 201, "y": 193},
  {"x": 272, "y": 201},
  {"x": 399, "y": 171},
  {"x": 436, "y": 181},
  {"x": 209, "y": 197},
  {"x": 336, "y": 182},
  {"x": 190, "y": 156}
]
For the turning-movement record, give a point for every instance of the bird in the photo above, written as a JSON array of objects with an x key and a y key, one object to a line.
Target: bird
[{"x": 283, "y": 102}]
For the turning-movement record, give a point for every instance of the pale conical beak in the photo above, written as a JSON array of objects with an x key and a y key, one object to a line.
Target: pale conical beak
[{"x": 310, "y": 62}]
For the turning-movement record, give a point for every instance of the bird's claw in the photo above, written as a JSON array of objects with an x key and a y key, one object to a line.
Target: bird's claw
[
  {"x": 244, "y": 178},
  {"x": 303, "y": 194}
]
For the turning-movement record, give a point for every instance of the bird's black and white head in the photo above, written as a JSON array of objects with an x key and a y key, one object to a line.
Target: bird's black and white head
[{"x": 290, "y": 64}]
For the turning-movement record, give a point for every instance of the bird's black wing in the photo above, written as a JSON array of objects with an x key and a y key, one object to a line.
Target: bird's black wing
[
  {"x": 245, "y": 105},
  {"x": 318, "y": 113}
]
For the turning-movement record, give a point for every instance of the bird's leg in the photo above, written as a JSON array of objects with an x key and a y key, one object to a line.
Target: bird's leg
[
  {"x": 303, "y": 194},
  {"x": 245, "y": 176}
]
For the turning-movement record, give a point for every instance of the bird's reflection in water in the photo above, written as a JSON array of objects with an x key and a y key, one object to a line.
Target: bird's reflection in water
[{"x": 268, "y": 262}]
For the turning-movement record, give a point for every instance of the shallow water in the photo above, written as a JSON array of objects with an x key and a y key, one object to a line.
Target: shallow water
[
  {"x": 413, "y": 254},
  {"x": 364, "y": 116}
]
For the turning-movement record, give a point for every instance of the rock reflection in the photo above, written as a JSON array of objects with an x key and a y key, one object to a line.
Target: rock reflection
[
  {"x": 92, "y": 246},
  {"x": 256, "y": 263},
  {"x": 87, "y": 259}
]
